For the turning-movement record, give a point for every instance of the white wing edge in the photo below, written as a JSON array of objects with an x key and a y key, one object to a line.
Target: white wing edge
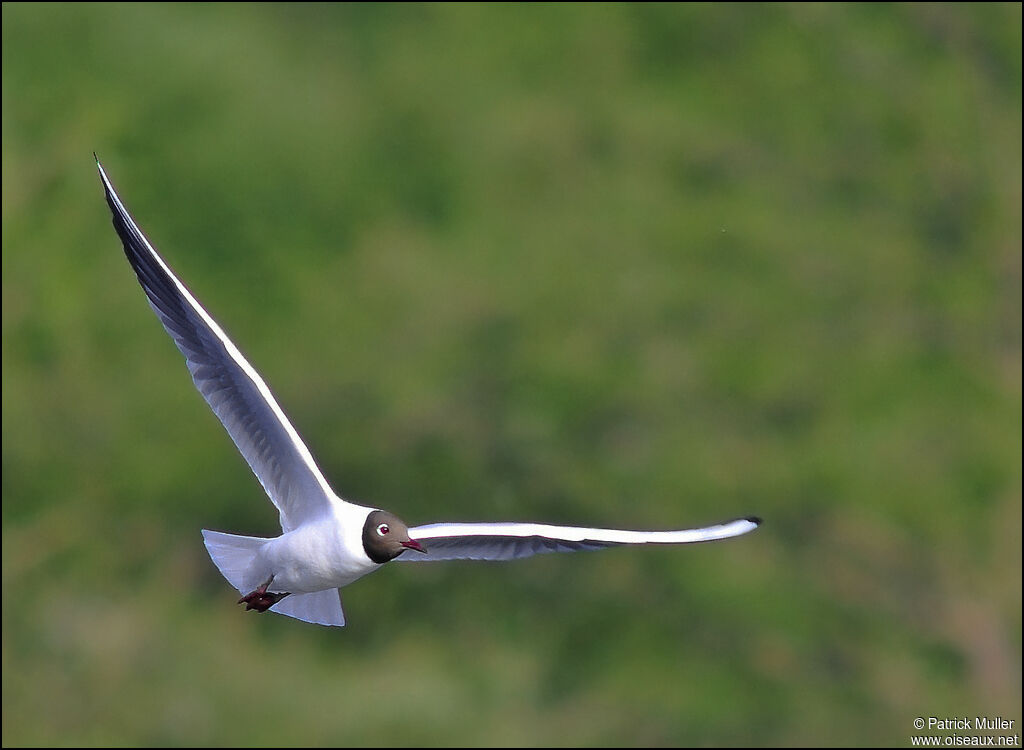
[{"x": 725, "y": 530}]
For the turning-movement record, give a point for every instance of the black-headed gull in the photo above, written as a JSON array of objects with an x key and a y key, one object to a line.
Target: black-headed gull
[{"x": 326, "y": 542}]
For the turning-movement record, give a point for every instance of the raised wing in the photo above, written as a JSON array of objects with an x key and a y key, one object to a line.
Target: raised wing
[
  {"x": 232, "y": 388},
  {"x": 509, "y": 541}
]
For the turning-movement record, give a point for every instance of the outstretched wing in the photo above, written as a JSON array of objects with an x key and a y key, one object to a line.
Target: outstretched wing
[
  {"x": 232, "y": 388},
  {"x": 508, "y": 541}
]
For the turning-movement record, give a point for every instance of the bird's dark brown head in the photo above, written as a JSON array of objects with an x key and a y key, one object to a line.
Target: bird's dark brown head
[{"x": 385, "y": 537}]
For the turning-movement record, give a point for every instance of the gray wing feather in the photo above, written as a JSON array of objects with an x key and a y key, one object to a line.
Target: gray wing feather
[
  {"x": 509, "y": 541},
  {"x": 232, "y": 388}
]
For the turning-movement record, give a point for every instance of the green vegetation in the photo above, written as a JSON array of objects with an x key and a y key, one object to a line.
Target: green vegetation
[{"x": 622, "y": 265}]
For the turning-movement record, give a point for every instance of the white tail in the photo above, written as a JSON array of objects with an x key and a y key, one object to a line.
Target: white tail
[
  {"x": 320, "y": 607},
  {"x": 233, "y": 555}
]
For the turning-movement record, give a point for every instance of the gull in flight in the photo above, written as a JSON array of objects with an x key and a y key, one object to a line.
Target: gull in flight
[{"x": 326, "y": 542}]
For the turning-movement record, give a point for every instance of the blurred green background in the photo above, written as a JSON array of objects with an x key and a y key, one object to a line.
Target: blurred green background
[{"x": 619, "y": 265}]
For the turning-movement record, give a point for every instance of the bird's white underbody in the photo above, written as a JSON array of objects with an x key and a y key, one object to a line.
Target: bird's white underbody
[{"x": 326, "y": 542}]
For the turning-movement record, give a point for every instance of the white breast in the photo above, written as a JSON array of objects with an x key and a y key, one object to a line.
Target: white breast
[{"x": 321, "y": 554}]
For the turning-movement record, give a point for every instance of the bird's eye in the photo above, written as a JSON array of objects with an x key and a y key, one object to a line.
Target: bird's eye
[{"x": 383, "y": 529}]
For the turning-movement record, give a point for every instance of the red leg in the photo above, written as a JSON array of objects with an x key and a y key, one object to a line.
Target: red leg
[{"x": 261, "y": 600}]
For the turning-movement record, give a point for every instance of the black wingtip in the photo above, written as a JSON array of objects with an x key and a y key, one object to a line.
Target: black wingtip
[
  {"x": 754, "y": 520},
  {"x": 100, "y": 169}
]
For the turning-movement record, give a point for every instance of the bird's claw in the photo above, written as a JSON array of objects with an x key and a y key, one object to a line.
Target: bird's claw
[{"x": 261, "y": 600}]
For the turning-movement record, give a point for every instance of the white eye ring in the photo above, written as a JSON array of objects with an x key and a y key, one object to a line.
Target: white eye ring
[{"x": 383, "y": 529}]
